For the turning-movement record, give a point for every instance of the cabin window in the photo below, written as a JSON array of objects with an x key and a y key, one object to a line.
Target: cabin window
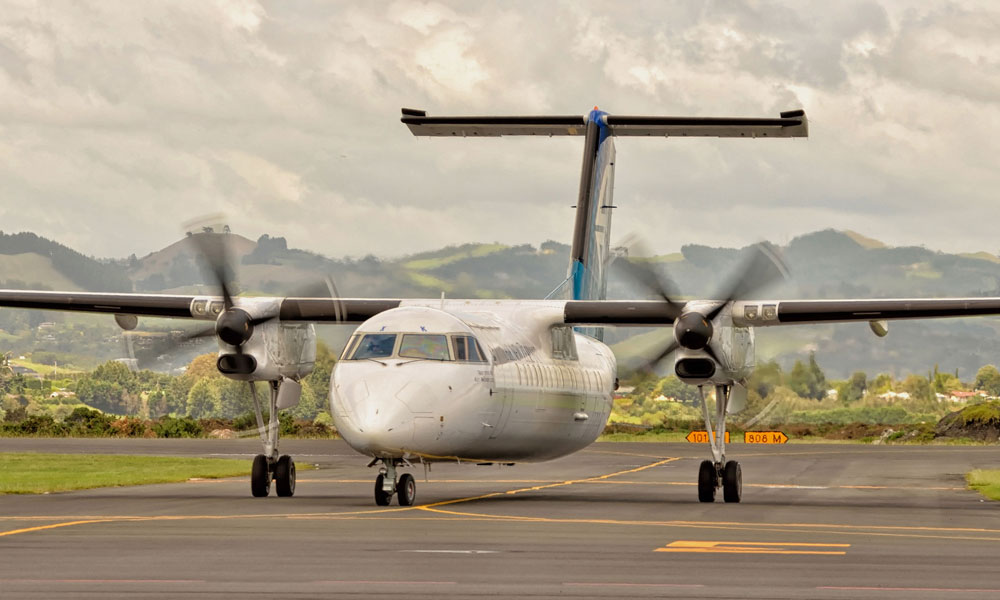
[
  {"x": 374, "y": 345},
  {"x": 422, "y": 345},
  {"x": 467, "y": 349},
  {"x": 563, "y": 343}
]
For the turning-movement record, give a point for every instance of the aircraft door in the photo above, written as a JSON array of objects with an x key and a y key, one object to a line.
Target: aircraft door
[{"x": 503, "y": 395}]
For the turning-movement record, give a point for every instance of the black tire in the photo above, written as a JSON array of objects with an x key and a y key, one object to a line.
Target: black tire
[
  {"x": 707, "y": 480},
  {"x": 732, "y": 482},
  {"x": 284, "y": 477},
  {"x": 260, "y": 477},
  {"x": 381, "y": 498},
  {"x": 406, "y": 490}
]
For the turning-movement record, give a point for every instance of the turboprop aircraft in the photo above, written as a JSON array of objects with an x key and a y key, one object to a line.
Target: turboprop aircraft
[{"x": 500, "y": 381}]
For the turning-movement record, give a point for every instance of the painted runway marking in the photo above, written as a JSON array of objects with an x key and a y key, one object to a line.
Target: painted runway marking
[
  {"x": 451, "y": 551},
  {"x": 776, "y": 486},
  {"x": 376, "y": 582},
  {"x": 433, "y": 505},
  {"x": 752, "y": 548},
  {"x": 632, "y": 585},
  {"x": 53, "y": 526},
  {"x": 905, "y": 589},
  {"x": 102, "y": 581}
]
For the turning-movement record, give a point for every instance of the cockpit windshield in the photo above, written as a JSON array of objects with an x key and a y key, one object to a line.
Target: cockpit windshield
[
  {"x": 423, "y": 345},
  {"x": 375, "y": 345},
  {"x": 430, "y": 346}
]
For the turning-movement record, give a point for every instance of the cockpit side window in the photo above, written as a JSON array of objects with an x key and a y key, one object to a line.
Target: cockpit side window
[
  {"x": 374, "y": 345},
  {"x": 467, "y": 349},
  {"x": 351, "y": 343},
  {"x": 423, "y": 345}
]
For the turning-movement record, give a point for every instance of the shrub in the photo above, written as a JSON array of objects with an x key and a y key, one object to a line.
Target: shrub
[
  {"x": 39, "y": 425},
  {"x": 86, "y": 422},
  {"x": 130, "y": 427},
  {"x": 181, "y": 427}
]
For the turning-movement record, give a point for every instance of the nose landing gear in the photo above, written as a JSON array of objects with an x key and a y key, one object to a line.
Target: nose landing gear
[{"x": 386, "y": 484}]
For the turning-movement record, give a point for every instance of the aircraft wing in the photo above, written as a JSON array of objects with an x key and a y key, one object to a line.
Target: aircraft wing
[
  {"x": 148, "y": 305},
  {"x": 763, "y": 313},
  {"x": 319, "y": 310},
  {"x": 790, "y": 312}
]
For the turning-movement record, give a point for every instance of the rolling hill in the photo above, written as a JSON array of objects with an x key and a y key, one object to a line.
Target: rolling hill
[{"x": 824, "y": 264}]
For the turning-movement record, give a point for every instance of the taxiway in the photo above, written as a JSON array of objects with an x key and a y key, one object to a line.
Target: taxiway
[{"x": 817, "y": 521}]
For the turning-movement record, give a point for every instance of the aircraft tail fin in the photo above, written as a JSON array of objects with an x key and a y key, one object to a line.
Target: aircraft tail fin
[{"x": 591, "y": 251}]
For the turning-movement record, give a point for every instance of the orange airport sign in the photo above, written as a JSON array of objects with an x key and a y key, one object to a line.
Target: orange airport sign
[
  {"x": 701, "y": 437},
  {"x": 764, "y": 437}
]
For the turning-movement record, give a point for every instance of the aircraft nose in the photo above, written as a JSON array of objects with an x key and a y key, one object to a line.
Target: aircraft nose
[{"x": 377, "y": 421}]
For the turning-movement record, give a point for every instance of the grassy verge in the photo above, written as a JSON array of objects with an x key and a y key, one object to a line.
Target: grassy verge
[
  {"x": 31, "y": 473},
  {"x": 986, "y": 482}
]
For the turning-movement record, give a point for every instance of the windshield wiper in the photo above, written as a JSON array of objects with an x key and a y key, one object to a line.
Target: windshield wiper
[
  {"x": 421, "y": 358},
  {"x": 375, "y": 360}
]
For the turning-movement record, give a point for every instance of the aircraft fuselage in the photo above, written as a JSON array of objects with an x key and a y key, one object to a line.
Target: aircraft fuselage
[{"x": 530, "y": 389}]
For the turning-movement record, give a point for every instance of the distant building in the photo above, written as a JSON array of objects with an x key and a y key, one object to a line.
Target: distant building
[{"x": 964, "y": 396}]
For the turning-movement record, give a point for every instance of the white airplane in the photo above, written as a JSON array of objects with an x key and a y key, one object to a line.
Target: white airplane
[{"x": 500, "y": 381}]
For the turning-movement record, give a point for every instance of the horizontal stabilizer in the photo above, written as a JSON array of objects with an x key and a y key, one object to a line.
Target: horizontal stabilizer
[
  {"x": 493, "y": 126},
  {"x": 788, "y": 124}
]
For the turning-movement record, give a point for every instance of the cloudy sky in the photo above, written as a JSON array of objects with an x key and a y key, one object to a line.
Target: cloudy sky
[{"x": 120, "y": 121}]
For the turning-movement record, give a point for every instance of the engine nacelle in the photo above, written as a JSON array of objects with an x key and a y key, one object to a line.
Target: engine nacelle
[{"x": 275, "y": 350}]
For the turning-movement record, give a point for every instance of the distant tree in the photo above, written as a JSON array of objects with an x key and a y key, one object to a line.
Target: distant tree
[
  {"x": 232, "y": 397},
  {"x": 672, "y": 387},
  {"x": 807, "y": 381},
  {"x": 319, "y": 379},
  {"x": 853, "y": 389},
  {"x": 918, "y": 387},
  {"x": 203, "y": 365},
  {"x": 766, "y": 377},
  {"x": 988, "y": 379},
  {"x": 881, "y": 384},
  {"x": 203, "y": 400},
  {"x": 945, "y": 382}
]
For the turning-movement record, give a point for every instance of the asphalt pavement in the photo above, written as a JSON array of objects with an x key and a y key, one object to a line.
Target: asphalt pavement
[{"x": 616, "y": 520}]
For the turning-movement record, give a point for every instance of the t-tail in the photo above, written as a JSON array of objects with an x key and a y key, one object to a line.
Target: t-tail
[{"x": 590, "y": 254}]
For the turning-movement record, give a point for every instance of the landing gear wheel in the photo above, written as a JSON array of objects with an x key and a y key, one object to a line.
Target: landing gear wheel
[
  {"x": 406, "y": 490},
  {"x": 284, "y": 477},
  {"x": 732, "y": 482},
  {"x": 381, "y": 497},
  {"x": 260, "y": 477},
  {"x": 707, "y": 481}
]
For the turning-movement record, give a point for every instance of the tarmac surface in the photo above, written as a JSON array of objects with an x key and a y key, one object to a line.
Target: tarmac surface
[{"x": 616, "y": 520}]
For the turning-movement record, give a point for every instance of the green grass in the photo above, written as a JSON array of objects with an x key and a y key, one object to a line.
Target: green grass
[
  {"x": 424, "y": 264},
  {"x": 45, "y": 369},
  {"x": 429, "y": 281},
  {"x": 985, "y": 413},
  {"x": 30, "y": 473},
  {"x": 986, "y": 482}
]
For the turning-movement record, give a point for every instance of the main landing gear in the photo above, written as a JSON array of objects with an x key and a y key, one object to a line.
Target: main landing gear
[
  {"x": 269, "y": 466},
  {"x": 387, "y": 485},
  {"x": 717, "y": 472}
]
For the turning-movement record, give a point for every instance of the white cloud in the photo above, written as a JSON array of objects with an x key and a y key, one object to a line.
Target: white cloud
[{"x": 118, "y": 119}]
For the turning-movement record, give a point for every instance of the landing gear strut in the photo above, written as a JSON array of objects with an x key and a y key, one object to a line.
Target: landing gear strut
[
  {"x": 387, "y": 485},
  {"x": 717, "y": 472},
  {"x": 270, "y": 466}
]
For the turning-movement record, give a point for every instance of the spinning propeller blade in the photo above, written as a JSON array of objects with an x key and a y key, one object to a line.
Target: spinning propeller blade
[{"x": 693, "y": 330}]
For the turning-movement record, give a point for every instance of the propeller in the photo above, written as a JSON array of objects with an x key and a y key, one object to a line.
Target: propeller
[
  {"x": 693, "y": 328},
  {"x": 234, "y": 325}
]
